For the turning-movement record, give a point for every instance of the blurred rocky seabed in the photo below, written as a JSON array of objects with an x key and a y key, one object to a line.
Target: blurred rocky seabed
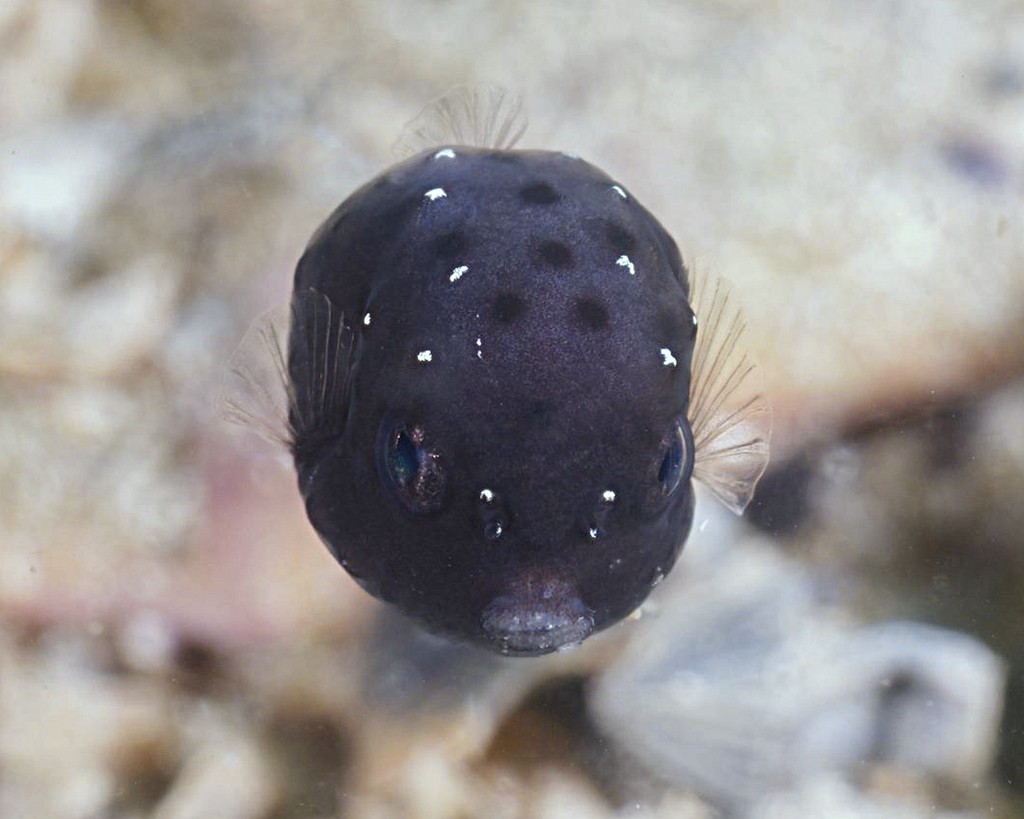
[{"x": 175, "y": 642}]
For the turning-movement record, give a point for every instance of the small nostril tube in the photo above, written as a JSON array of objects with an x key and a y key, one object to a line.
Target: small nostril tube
[
  {"x": 539, "y": 612},
  {"x": 492, "y": 514}
]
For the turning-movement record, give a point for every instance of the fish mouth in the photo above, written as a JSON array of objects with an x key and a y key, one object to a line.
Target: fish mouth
[{"x": 538, "y": 613}]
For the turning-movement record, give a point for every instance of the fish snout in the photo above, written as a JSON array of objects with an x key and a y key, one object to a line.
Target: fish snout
[{"x": 538, "y": 612}]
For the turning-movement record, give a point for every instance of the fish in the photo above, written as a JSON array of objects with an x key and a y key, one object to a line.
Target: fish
[{"x": 498, "y": 381}]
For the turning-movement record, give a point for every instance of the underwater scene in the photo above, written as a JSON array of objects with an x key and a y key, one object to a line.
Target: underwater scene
[{"x": 487, "y": 409}]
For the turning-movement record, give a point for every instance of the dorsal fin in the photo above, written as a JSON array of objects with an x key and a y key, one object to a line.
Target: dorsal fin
[
  {"x": 730, "y": 419},
  {"x": 482, "y": 116}
]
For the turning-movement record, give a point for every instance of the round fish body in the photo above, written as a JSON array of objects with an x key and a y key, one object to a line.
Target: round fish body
[{"x": 491, "y": 433}]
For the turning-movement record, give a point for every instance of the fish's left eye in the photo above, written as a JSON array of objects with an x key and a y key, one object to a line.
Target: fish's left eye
[
  {"x": 677, "y": 458},
  {"x": 412, "y": 469}
]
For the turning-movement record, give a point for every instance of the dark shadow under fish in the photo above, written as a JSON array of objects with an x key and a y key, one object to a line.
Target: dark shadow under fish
[{"x": 496, "y": 378}]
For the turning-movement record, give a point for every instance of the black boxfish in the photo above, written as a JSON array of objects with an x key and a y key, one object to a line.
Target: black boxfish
[{"x": 496, "y": 378}]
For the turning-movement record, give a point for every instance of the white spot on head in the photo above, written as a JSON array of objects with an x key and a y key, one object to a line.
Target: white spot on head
[
  {"x": 693, "y": 318},
  {"x": 623, "y": 261},
  {"x": 366, "y": 320},
  {"x": 619, "y": 191},
  {"x": 434, "y": 194},
  {"x": 486, "y": 495},
  {"x": 608, "y": 496},
  {"x": 570, "y": 155},
  {"x": 445, "y": 153},
  {"x": 667, "y": 358},
  {"x": 424, "y": 356},
  {"x": 457, "y": 273},
  {"x": 592, "y": 531}
]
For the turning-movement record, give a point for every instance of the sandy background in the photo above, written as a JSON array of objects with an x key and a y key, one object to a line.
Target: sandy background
[{"x": 175, "y": 642}]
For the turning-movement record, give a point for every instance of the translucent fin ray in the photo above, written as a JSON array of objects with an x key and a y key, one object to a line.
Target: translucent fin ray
[
  {"x": 730, "y": 419},
  {"x": 308, "y": 340},
  {"x": 486, "y": 116},
  {"x": 257, "y": 391}
]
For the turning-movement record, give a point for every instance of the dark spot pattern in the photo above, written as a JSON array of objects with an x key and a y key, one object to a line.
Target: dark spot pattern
[
  {"x": 556, "y": 253},
  {"x": 508, "y": 307},
  {"x": 449, "y": 245},
  {"x": 394, "y": 219},
  {"x": 539, "y": 414},
  {"x": 591, "y": 314},
  {"x": 539, "y": 193},
  {"x": 621, "y": 240},
  {"x": 669, "y": 325}
]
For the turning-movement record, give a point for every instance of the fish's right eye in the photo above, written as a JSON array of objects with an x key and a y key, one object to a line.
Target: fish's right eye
[{"x": 412, "y": 468}]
